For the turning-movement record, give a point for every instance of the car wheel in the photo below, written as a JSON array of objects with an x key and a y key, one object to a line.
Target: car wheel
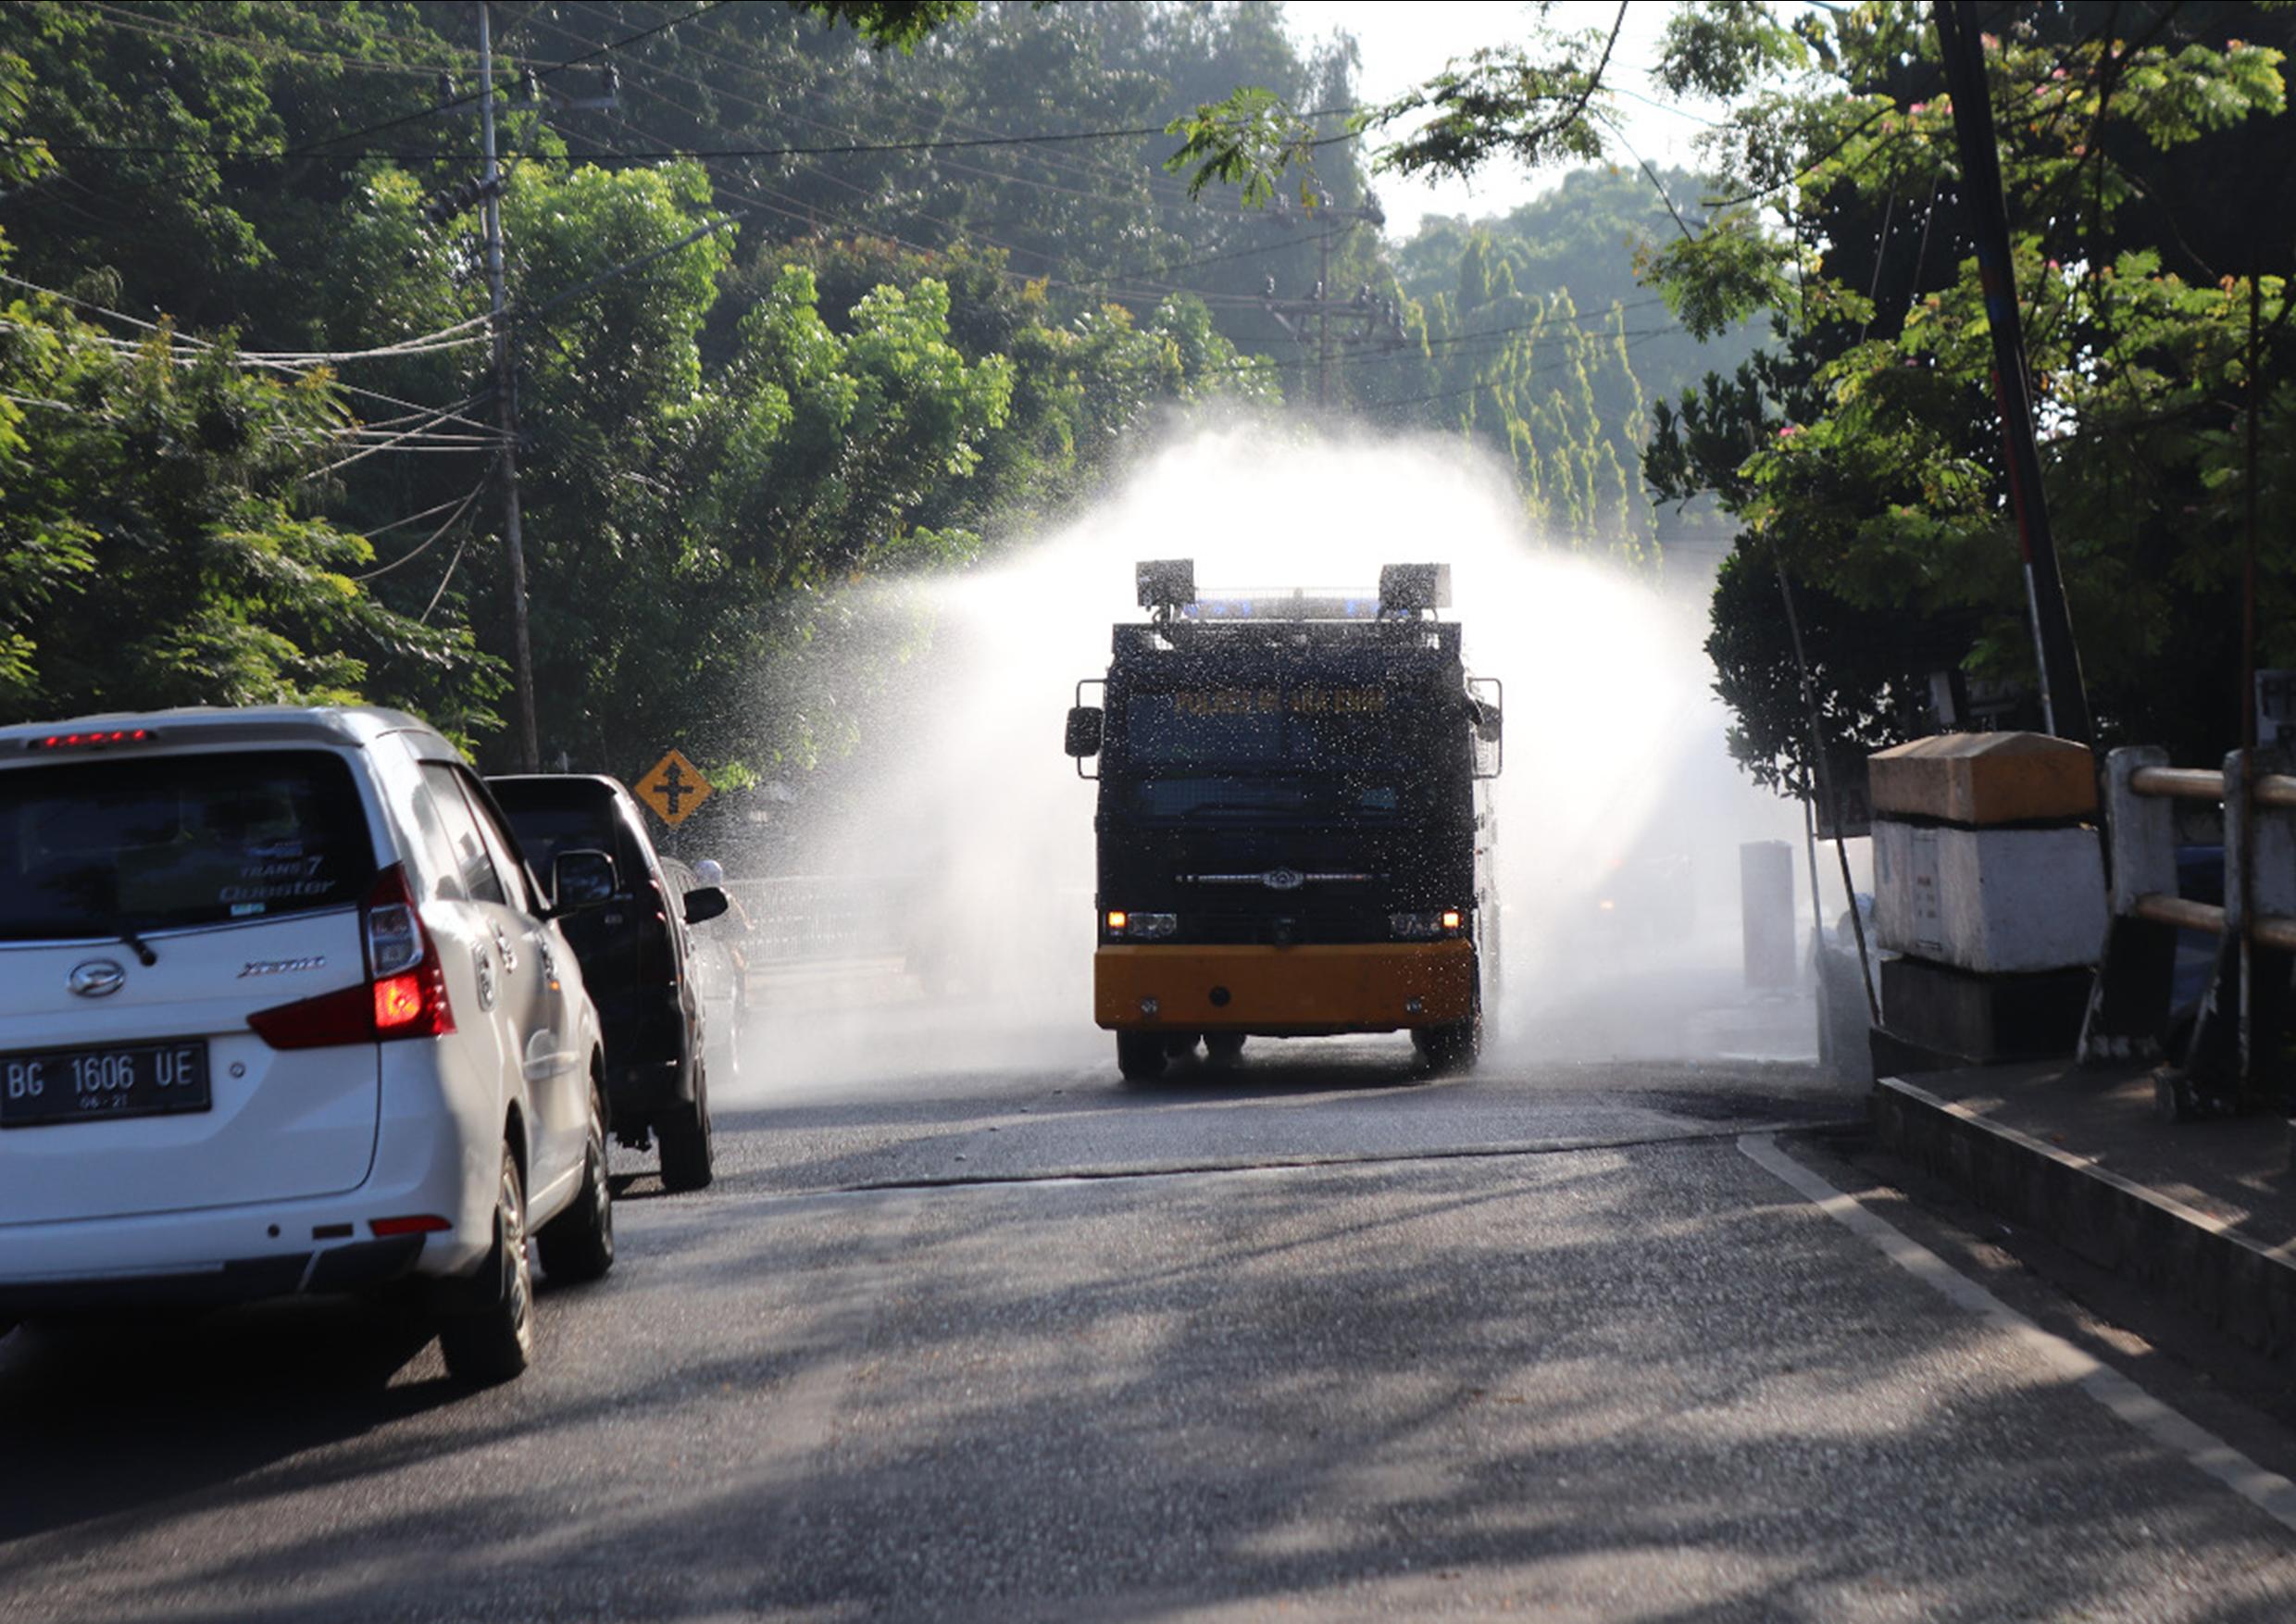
[
  {"x": 578, "y": 1243},
  {"x": 685, "y": 1133},
  {"x": 495, "y": 1342},
  {"x": 1140, "y": 1055},
  {"x": 1223, "y": 1048}
]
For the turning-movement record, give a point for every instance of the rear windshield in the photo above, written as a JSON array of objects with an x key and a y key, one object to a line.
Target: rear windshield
[
  {"x": 90, "y": 848},
  {"x": 544, "y": 831}
]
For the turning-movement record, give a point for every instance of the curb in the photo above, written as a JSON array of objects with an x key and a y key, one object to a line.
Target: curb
[{"x": 2245, "y": 1288}]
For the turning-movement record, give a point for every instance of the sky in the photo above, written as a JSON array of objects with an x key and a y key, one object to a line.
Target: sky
[{"x": 1405, "y": 42}]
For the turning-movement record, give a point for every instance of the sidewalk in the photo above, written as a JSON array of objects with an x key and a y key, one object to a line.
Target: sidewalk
[{"x": 2202, "y": 1211}]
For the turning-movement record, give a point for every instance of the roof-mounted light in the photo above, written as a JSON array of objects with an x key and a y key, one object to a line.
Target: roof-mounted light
[
  {"x": 1166, "y": 584},
  {"x": 95, "y": 739},
  {"x": 1407, "y": 589}
]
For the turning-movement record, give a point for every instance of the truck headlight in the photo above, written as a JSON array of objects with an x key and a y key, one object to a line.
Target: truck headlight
[
  {"x": 1425, "y": 926},
  {"x": 1142, "y": 927}
]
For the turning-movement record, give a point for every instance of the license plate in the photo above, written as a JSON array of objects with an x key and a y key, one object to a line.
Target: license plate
[{"x": 102, "y": 1084}]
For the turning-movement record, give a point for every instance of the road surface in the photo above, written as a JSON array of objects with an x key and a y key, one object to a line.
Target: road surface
[{"x": 1317, "y": 1339}]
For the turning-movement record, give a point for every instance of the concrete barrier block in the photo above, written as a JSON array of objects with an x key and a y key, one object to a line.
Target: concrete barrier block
[
  {"x": 1991, "y": 900},
  {"x": 1980, "y": 780},
  {"x": 1984, "y": 1018}
]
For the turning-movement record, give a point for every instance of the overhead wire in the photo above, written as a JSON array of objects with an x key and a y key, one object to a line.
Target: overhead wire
[{"x": 429, "y": 541}]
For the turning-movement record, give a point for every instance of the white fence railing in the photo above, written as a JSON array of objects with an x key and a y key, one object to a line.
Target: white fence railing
[{"x": 2233, "y": 1057}]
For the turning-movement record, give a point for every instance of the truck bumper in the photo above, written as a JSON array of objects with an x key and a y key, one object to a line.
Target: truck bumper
[{"x": 1279, "y": 992}]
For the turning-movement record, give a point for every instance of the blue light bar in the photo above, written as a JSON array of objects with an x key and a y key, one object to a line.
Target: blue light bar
[{"x": 1284, "y": 606}]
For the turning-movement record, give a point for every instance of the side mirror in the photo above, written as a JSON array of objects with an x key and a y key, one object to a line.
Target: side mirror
[
  {"x": 1083, "y": 731},
  {"x": 705, "y": 902},
  {"x": 1486, "y": 707},
  {"x": 581, "y": 880}
]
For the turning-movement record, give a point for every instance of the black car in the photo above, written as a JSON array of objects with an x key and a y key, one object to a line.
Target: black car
[{"x": 638, "y": 958}]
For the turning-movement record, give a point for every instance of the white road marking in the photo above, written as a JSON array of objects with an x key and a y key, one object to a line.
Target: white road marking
[{"x": 2271, "y": 1493}]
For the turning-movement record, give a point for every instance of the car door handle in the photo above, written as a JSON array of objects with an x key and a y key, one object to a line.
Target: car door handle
[{"x": 509, "y": 953}]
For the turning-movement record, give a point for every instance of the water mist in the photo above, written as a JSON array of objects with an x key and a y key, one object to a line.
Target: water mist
[{"x": 976, "y": 831}]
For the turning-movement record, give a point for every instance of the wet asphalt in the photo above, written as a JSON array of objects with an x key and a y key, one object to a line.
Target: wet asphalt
[{"x": 1316, "y": 1338}]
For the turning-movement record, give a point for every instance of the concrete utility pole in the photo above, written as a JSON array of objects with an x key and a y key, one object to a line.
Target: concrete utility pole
[
  {"x": 2063, "y": 696},
  {"x": 507, "y": 404},
  {"x": 1370, "y": 319}
]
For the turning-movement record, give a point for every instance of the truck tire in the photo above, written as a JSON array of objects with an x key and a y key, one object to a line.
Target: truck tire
[
  {"x": 1223, "y": 1048},
  {"x": 1140, "y": 1055},
  {"x": 578, "y": 1244},
  {"x": 494, "y": 1340}
]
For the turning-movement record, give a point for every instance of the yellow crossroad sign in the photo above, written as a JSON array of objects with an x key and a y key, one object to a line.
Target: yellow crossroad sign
[{"x": 674, "y": 789}]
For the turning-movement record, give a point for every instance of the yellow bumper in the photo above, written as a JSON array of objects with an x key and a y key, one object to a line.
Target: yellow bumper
[{"x": 1349, "y": 987}]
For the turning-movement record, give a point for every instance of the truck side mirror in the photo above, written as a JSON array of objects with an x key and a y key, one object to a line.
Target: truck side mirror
[
  {"x": 1084, "y": 723},
  {"x": 579, "y": 880},
  {"x": 1486, "y": 714}
]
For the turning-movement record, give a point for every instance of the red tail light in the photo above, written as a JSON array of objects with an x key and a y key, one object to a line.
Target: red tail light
[
  {"x": 421, "y": 1224},
  {"x": 404, "y": 996}
]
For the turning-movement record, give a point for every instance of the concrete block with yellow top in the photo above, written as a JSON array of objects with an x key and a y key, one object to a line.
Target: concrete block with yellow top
[
  {"x": 1983, "y": 779},
  {"x": 1310, "y": 990}
]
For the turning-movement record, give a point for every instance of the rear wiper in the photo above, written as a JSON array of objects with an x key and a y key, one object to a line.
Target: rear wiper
[{"x": 143, "y": 948}]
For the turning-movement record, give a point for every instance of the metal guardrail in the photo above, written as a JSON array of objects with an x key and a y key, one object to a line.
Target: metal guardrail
[{"x": 2234, "y": 1051}]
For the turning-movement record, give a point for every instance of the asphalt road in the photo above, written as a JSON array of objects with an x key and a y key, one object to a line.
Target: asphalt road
[{"x": 1317, "y": 1339}]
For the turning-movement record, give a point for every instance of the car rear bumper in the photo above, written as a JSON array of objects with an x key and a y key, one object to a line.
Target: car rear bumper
[
  {"x": 428, "y": 1163},
  {"x": 1346, "y": 987},
  {"x": 346, "y": 1267}
]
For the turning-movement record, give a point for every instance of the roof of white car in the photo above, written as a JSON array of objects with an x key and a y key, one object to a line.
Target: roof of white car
[{"x": 348, "y": 724}]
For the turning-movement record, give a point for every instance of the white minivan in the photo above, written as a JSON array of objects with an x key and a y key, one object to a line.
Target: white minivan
[{"x": 283, "y": 1010}]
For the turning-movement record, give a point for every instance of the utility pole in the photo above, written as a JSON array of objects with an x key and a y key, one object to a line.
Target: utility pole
[
  {"x": 1323, "y": 321},
  {"x": 2063, "y": 696},
  {"x": 507, "y": 404},
  {"x": 1369, "y": 319}
]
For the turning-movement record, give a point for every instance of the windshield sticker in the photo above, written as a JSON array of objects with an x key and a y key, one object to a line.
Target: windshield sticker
[
  {"x": 1271, "y": 700},
  {"x": 275, "y": 872}
]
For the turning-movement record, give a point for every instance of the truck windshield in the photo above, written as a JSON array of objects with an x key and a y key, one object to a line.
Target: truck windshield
[{"x": 1305, "y": 728}]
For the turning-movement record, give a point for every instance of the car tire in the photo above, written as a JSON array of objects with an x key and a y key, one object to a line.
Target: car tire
[
  {"x": 1141, "y": 1055},
  {"x": 494, "y": 1342},
  {"x": 685, "y": 1139},
  {"x": 1223, "y": 1048},
  {"x": 577, "y": 1245}
]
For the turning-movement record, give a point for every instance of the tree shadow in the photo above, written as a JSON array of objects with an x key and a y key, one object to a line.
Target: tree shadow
[{"x": 1651, "y": 1385}]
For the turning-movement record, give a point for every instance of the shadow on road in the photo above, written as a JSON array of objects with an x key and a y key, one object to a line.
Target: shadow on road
[{"x": 193, "y": 1401}]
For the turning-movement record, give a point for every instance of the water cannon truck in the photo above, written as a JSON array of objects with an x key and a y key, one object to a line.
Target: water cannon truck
[{"x": 1294, "y": 828}]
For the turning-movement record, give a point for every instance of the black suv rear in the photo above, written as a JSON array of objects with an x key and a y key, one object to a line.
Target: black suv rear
[{"x": 637, "y": 961}]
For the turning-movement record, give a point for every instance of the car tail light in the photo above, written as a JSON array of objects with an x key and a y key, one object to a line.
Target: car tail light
[
  {"x": 404, "y": 996},
  {"x": 421, "y": 1224},
  {"x": 97, "y": 738}
]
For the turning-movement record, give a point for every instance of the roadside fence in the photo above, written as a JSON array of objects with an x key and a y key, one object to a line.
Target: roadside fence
[{"x": 2233, "y": 1061}]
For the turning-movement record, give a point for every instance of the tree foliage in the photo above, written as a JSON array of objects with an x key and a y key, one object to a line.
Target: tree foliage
[{"x": 1863, "y": 454}]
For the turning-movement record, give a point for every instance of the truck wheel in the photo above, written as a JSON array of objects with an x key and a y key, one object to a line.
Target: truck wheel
[
  {"x": 578, "y": 1243},
  {"x": 1181, "y": 1046},
  {"x": 1140, "y": 1055},
  {"x": 1448, "y": 1048},
  {"x": 685, "y": 1133},
  {"x": 494, "y": 1340},
  {"x": 1223, "y": 1048}
]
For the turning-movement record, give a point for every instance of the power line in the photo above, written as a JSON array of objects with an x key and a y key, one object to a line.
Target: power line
[
  {"x": 662, "y": 154},
  {"x": 408, "y": 558}
]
